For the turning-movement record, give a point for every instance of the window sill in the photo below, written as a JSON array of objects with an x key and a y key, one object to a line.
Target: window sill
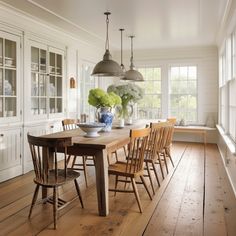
[{"x": 228, "y": 141}]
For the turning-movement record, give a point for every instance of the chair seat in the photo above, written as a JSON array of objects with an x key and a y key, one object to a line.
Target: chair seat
[
  {"x": 120, "y": 168},
  {"x": 61, "y": 179}
]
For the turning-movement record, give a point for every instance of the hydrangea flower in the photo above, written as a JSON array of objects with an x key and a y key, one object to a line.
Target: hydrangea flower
[
  {"x": 99, "y": 98},
  {"x": 129, "y": 93}
]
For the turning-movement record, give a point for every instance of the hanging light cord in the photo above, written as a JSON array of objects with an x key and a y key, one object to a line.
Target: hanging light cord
[
  {"x": 107, "y": 39},
  {"x": 131, "y": 58},
  {"x": 121, "y": 46}
]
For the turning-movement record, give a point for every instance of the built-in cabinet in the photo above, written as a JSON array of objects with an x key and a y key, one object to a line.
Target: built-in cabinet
[{"x": 32, "y": 96}]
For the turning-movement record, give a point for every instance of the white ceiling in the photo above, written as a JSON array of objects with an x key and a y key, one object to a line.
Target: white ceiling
[{"x": 155, "y": 23}]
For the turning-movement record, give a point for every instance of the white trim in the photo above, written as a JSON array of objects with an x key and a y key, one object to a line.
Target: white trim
[{"x": 228, "y": 141}]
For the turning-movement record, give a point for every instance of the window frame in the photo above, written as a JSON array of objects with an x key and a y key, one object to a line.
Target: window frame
[
  {"x": 197, "y": 86},
  {"x": 85, "y": 108},
  {"x": 160, "y": 113}
]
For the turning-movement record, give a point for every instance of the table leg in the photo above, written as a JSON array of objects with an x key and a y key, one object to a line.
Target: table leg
[
  {"x": 101, "y": 167},
  {"x": 47, "y": 164}
]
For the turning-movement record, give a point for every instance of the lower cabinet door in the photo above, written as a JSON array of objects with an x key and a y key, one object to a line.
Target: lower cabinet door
[
  {"x": 11, "y": 164},
  {"x": 36, "y": 131}
]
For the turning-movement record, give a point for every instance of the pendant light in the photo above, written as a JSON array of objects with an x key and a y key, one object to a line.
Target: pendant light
[
  {"x": 121, "y": 50},
  {"x": 107, "y": 67},
  {"x": 133, "y": 74}
]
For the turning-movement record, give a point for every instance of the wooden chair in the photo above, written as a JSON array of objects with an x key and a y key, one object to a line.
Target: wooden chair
[
  {"x": 151, "y": 153},
  {"x": 69, "y": 124},
  {"x": 171, "y": 120},
  {"x": 163, "y": 129},
  {"x": 168, "y": 143},
  {"x": 133, "y": 167},
  {"x": 42, "y": 149}
]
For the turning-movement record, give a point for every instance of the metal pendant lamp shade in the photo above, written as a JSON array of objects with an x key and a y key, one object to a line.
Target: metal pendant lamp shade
[
  {"x": 133, "y": 74},
  {"x": 107, "y": 67}
]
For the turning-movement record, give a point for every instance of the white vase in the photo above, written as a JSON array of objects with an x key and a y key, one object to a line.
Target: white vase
[
  {"x": 129, "y": 121},
  {"x": 121, "y": 123}
]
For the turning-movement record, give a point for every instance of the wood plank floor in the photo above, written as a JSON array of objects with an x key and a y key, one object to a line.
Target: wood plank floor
[{"x": 195, "y": 198}]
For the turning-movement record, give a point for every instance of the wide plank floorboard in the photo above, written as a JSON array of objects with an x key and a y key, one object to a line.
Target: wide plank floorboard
[{"x": 195, "y": 198}]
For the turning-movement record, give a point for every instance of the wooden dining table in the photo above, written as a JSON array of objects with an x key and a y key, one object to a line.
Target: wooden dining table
[{"x": 99, "y": 147}]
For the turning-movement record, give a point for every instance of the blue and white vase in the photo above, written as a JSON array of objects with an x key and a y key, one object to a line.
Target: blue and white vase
[{"x": 105, "y": 116}]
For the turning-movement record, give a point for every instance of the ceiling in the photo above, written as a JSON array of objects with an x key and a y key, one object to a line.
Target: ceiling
[{"x": 155, "y": 23}]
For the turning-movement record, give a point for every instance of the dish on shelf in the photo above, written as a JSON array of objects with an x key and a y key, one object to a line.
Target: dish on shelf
[
  {"x": 8, "y": 88},
  {"x": 91, "y": 129},
  {"x": 9, "y": 61},
  {"x": 52, "y": 89}
]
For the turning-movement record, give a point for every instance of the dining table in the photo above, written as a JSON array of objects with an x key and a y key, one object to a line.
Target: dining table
[{"x": 100, "y": 147}]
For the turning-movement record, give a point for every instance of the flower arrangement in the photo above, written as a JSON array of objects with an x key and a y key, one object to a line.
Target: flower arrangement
[
  {"x": 99, "y": 98},
  {"x": 129, "y": 93}
]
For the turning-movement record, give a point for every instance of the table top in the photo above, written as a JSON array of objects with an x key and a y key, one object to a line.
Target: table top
[{"x": 105, "y": 140}]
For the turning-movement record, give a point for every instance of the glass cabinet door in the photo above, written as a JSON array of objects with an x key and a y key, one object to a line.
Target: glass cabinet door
[
  {"x": 46, "y": 80},
  {"x": 55, "y": 83},
  {"x": 8, "y": 78},
  {"x": 38, "y": 81}
]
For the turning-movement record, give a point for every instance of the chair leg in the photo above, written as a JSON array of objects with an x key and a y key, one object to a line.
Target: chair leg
[
  {"x": 68, "y": 160},
  {"x": 145, "y": 185},
  {"x": 55, "y": 205},
  {"x": 125, "y": 151},
  {"x": 164, "y": 156},
  {"x": 73, "y": 162},
  {"x": 85, "y": 170},
  {"x": 155, "y": 172},
  {"x": 79, "y": 193},
  {"x": 108, "y": 159},
  {"x": 116, "y": 183},
  {"x": 34, "y": 199},
  {"x": 150, "y": 178},
  {"x": 169, "y": 155},
  {"x": 136, "y": 194},
  {"x": 116, "y": 155},
  {"x": 159, "y": 159}
]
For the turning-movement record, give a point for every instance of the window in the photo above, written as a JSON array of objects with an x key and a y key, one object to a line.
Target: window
[
  {"x": 183, "y": 93},
  {"x": 223, "y": 104},
  {"x": 227, "y": 81},
  {"x": 87, "y": 83},
  {"x": 150, "y": 106},
  {"x": 232, "y": 109}
]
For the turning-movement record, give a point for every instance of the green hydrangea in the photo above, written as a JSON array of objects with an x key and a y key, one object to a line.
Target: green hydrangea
[{"x": 99, "y": 98}]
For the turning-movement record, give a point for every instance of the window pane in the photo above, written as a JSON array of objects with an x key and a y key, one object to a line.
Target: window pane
[
  {"x": 183, "y": 93},
  {"x": 150, "y": 106}
]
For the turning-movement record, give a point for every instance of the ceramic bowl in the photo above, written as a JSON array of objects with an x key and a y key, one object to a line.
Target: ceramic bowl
[{"x": 91, "y": 129}]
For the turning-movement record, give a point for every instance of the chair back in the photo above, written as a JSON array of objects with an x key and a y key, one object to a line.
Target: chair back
[
  {"x": 163, "y": 132},
  {"x": 153, "y": 142},
  {"x": 136, "y": 149},
  {"x": 171, "y": 120},
  {"x": 42, "y": 149},
  {"x": 69, "y": 124},
  {"x": 169, "y": 135}
]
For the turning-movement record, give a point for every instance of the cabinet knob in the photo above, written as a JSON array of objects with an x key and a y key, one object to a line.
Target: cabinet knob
[
  {"x": 52, "y": 126},
  {"x": 1, "y": 135}
]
